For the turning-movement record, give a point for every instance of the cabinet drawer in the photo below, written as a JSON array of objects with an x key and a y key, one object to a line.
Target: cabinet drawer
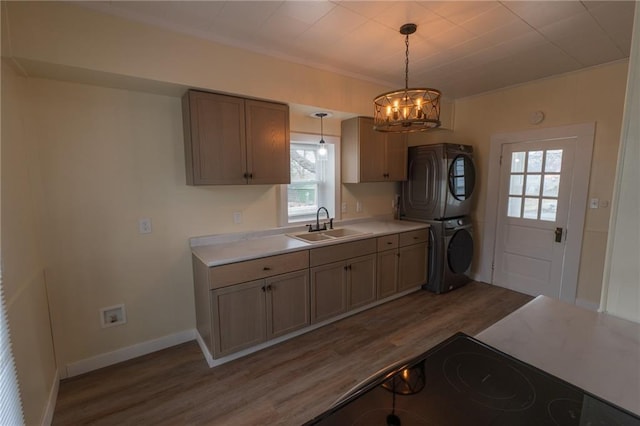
[
  {"x": 338, "y": 252},
  {"x": 388, "y": 242},
  {"x": 414, "y": 237},
  {"x": 233, "y": 273}
]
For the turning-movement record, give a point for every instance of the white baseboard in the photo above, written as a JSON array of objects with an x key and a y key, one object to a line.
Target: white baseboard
[
  {"x": 47, "y": 416},
  {"x": 123, "y": 354},
  {"x": 592, "y": 306}
]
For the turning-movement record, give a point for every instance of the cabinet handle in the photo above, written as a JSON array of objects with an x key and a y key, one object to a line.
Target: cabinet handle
[
  {"x": 263, "y": 289},
  {"x": 269, "y": 288},
  {"x": 389, "y": 243},
  {"x": 398, "y": 254},
  {"x": 250, "y": 175},
  {"x": 266, "y": 268},
  {"x": 346, "y": 268}
]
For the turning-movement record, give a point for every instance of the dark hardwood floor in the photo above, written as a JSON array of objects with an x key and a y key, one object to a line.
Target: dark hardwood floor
[{"x": 286, "y": 384}]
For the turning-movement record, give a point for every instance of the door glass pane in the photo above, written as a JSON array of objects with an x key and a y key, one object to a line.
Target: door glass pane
[
  {"x": 534, "y": 163},
  {"x": 530, "y": 208},
  {"x": 551, "y": 185},
  {"x": 533, "y": 185},
  {"x": 554, "y": 161},
  {"x": 548, "y": 211},
  {"x": 517, "y": 162},
  {"x": 515, "y": 186},
  {"x": 513, "y": 209}
]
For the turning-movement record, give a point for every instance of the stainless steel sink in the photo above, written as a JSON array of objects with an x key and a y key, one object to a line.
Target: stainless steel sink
[{"x": 328, "y": 235}]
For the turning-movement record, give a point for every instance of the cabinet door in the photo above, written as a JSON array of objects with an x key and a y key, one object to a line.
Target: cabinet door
[
  {"x": 372, "y": 152},
  {"x": 396, "y": 157},
  {"x": 361, "y": 287},
  {"x": 287, "y": 303},
  {"x": 387, "y": 273},
  {"x": 238, "y": 317},
  {"x": 214, "y": 139},
  {"x": 328, "y": 291},
  {"x": 413, "y": 266},
  {"x": 267, "y": 142}
]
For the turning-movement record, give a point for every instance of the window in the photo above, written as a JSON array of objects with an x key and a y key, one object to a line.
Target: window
[
  {"x": 313, "y": 180},
  {"x": 534, "y": 184},
  {"x": 10, "y": 406}
]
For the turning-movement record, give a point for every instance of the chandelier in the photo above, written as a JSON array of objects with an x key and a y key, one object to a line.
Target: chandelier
[{"x": 407, "y": 110}]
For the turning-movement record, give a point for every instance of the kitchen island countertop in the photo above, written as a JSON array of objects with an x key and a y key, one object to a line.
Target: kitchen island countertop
[
  {"x": 597, "y": 352},
  {"x": 221, "y": 249}
]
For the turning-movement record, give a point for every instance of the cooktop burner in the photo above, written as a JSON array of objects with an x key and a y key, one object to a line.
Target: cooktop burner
[
  {"x": 489, "y": 381},
  {"x": 462, "y": 381}
]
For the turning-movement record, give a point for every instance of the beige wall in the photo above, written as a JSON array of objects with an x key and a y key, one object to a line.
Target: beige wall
[
  {"x": 109, "y": 157},
  {"x": 621, "y": 295},
  {"x": 23, "y": 261},
  {"x": 592, "y": 95}
]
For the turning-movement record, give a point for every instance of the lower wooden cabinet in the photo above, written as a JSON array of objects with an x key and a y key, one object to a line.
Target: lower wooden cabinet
[
  {"x": 402, "y": 262},
  {"x": 247, "y": 314},
  {"x": 341, "y": 286},
  {"x": 387, "y": 273},
  {"x": 243, "y": 304},
  {"x": 361, "y": 281},
  {"x": 238, "y": 317},
  {"x": 287, "y": 303},
  {"x": 328, "y": 291}
]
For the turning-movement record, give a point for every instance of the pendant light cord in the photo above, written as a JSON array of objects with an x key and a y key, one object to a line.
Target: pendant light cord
[{"x": 406, "y": 63}]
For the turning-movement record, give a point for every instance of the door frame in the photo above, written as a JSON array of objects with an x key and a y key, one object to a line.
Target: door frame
[{"x": 585, "y": 135}]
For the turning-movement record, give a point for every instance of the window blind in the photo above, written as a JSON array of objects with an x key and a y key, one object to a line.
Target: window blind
[{"x": 10, "y": 405}]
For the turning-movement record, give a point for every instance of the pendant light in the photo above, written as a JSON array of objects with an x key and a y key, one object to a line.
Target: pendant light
[
  {"x": 322, "y": 150},
  {"x": 407, "y": 110}
]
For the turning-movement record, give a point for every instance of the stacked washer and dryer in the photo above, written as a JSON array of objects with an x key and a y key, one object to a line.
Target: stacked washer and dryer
[{"x": 441, "y": 179}]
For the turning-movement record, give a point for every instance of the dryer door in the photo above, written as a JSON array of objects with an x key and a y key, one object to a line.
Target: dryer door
[
  {"x": 462, "y": 177},
  {"x": 460, "y": 251}
]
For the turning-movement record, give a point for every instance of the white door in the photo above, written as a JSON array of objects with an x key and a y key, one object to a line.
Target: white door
[{"x": 541, "y": 203}]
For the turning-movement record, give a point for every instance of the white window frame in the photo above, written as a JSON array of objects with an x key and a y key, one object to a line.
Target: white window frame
[{"x": 283, "y": 210}]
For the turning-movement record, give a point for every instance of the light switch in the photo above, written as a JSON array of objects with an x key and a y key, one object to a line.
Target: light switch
[{"x": 594, "y": 203}]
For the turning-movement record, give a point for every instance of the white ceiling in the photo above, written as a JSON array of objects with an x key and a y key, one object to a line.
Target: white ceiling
[{"x": 460, "y": 47}]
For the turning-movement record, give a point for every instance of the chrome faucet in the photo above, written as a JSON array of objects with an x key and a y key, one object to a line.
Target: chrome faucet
[{"x": 324, "y": 225}]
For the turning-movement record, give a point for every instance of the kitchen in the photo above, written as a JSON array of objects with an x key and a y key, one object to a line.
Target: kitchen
[{"x": 114, "y": 155}]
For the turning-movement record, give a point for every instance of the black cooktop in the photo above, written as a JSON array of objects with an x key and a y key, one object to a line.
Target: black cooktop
[{"x": 463, "y": 381}]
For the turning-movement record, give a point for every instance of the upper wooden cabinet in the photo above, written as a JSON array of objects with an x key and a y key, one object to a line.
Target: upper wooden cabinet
[
  {"x": 371, "y": 156},
  {"x": 234, "y": 141}
]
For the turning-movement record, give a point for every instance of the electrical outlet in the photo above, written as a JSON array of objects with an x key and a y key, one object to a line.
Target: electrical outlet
[
  {"x": 344, "y": 207},
  {"x": 594, "y": 203},
  {"x": 144, "y": 225},
  {"x": 237, "y": 217},
  {"x": 358, "y": 207},
  {"x": 113, "y": 315}
]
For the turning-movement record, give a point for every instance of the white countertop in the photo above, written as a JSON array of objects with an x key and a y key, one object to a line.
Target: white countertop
[
  {"x": 220, "y": 249},
  {"x": 597, "y": 352}
]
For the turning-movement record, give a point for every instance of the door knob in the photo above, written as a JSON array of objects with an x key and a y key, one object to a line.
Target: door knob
[{"x": 558, "y": 233}]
